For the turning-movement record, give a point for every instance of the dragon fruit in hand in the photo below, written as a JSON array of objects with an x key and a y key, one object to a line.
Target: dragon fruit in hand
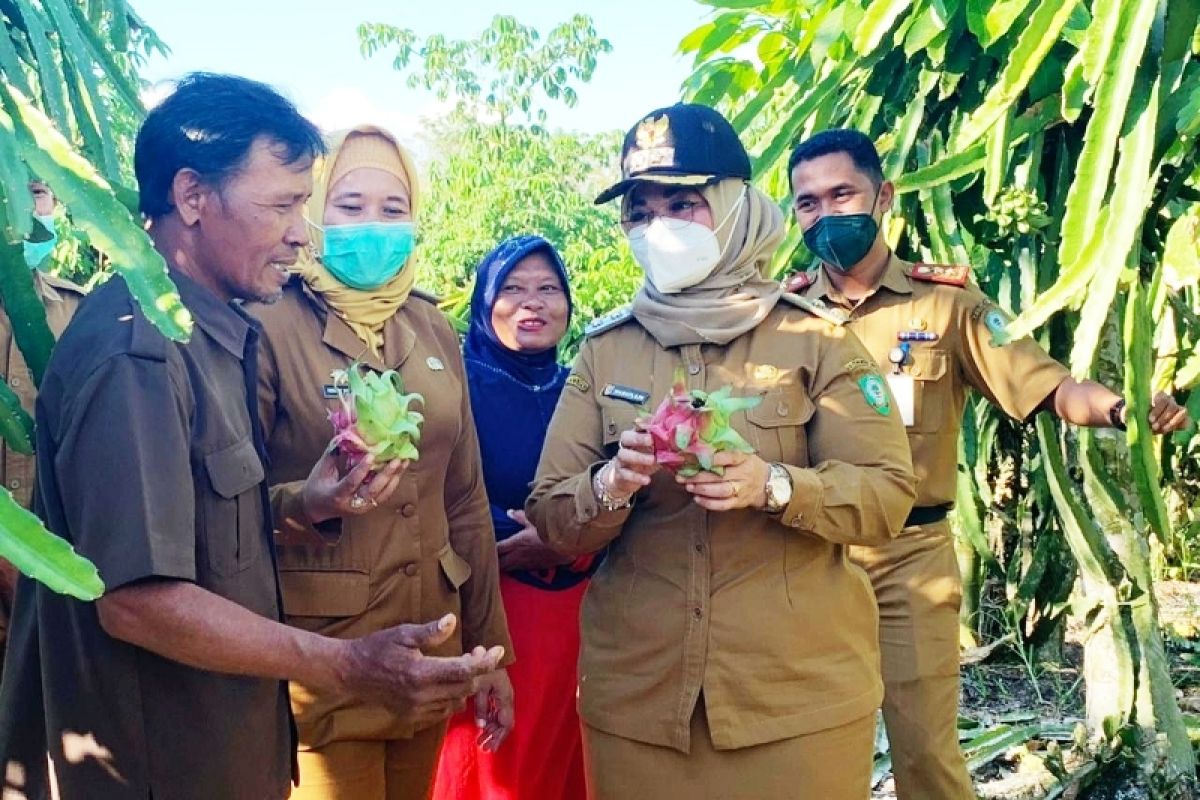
[
  {"x": 690, "y": 426},
  {"x": 374, "y": 416}
]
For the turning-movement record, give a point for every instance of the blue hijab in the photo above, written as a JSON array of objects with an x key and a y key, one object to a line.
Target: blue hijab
[{"x": 513, "y": 396}]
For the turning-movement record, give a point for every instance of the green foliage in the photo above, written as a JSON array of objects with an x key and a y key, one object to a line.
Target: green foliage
[
  {"x": 503, "y": 70},
  {"x": 68, "y": 100},
  {"x": 1053, "y": 146},
  {"x": 496, "y": 171}
]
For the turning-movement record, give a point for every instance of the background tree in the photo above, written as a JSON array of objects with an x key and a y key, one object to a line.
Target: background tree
[
  {"x": 497, "y": 171},
  {"x": 1052, "y": 145},
  {"x": 68, "y": 90}
]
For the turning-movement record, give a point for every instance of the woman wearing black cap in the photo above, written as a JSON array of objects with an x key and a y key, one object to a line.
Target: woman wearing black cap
[{"x": 729, "y": 647}]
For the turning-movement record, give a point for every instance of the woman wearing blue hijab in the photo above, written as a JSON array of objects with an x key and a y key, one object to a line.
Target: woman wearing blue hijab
[{"x": 520, "y": 309}]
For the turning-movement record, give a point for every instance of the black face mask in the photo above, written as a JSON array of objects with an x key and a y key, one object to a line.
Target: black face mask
[{"x": 843, "y": 240}]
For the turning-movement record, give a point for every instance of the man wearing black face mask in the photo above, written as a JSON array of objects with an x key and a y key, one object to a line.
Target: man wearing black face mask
[{"x": 935, "y": 335}]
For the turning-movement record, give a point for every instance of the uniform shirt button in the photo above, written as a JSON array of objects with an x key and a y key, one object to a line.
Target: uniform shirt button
[
  {"x": 698, "y": 612},
  {"x": 782, "y": 409},
  {"x": 916, "y": 371},
  {"x": 699, "y": 548},
  {"x": 408, "y": 509},
  {"x": 14, "y": 484},
  {"x": 15, "y": 381},
  {"x": 693, "y": 369},
  {"x": 411, "y": 569}
]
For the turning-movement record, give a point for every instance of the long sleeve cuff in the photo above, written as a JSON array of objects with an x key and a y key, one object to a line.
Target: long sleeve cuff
[{"x": 808, "y": 498}]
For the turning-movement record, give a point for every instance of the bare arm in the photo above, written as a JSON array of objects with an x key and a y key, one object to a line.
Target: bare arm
[
  {"x": 184, "y": 622},
  {"x": 1088, "y": 403}
]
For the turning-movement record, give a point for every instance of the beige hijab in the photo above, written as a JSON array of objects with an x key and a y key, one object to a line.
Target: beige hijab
[
  {"x": 366, "y": 312},
  {"x": 736, "y": 296}
]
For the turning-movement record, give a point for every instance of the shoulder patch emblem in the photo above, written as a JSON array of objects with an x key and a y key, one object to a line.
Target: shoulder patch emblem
[
  {"x": 875, "y": 394},
  {"x": 995, "y": 320},
  {"x": 576, "y": 381},
  {"x": 818, "y": 308},
  {"x": 952, "y": 275},
  {"x": 607, "y": 322}
]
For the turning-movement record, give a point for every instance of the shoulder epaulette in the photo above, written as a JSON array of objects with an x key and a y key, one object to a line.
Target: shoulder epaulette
[
  {"x": 948, "y": 274},
  {"x": 818, "y": 308},
  {"x": 800, "y": 281},
  {"x": 607, "y": 322}
]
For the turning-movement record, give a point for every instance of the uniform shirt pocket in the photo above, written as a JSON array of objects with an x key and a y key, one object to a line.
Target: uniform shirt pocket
[
  {"x": 233, "y": 511},
  {"x": 454, "y": 567},
  {"x": 324, "y": 592},
  {"x": 929, "y": 368},
  {"x": 776, "y": 430}
]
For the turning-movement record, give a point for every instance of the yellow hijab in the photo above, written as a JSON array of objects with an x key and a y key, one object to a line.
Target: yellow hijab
[{"x": 366, "y": 312}]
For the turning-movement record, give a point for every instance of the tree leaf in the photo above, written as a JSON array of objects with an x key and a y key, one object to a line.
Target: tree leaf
[
  {"x": 879, "y": 18},
  {"x": 1130, "y": 197},
  {"x": 1181, "y": 254},
  {"x": 98, "y": 212},
  {"x": 1104, "y": 128},
  {"x": 1032, "y": 45},
  {"x": 1139, "y": 369},
  {"x": 41, "y": 555},
  {"x": 25, "y": 311}
]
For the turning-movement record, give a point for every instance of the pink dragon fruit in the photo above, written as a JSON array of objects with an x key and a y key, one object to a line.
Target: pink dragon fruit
[
  {"x": 374, "y": 416},
  {"x": 691, "y": 426}
]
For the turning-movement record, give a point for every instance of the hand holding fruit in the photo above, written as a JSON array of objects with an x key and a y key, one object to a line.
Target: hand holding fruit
[
  {"x": 634, "y": 463},
  {"x": 328, "y": 494},
  {"x": 742, "y": 484}
]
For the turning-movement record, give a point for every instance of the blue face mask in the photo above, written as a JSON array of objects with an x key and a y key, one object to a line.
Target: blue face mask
[
  {"x": 36, "y": 253},
  {"x": 369, "y": 254}
]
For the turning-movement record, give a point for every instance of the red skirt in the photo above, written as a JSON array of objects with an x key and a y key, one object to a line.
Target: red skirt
[{"x": 542, "y": 758}]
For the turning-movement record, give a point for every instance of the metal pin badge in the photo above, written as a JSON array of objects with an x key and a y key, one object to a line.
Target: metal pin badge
[{"x": 435, "y": 363}]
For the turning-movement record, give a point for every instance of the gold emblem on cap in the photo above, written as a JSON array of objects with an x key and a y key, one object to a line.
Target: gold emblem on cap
[{"x": 652, "y": 132}]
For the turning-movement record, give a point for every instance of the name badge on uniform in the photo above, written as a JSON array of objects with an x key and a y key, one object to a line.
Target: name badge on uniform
[
  {"x": 901, "y": 385},
  {"x": 626, "y": 393},
  {"x": 332, "y": 392}
]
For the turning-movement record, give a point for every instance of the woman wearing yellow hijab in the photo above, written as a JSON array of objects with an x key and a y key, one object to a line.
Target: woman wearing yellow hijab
[{"x": 409, "y": 542}]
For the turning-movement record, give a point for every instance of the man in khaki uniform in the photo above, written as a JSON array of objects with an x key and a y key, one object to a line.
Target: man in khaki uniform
[
  {"x": 729, "y": 647},
  {"x": 935, "y": 335},
  {"x": 60, "y": 298}
]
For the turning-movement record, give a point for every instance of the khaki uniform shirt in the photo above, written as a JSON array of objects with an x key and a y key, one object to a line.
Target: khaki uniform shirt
[
  {"x": 1016, "y": 376},
  {"x": 60, "y": 298},
  {"x": 763, "y": 613},
  {"x": 427, "y": 551},
  {"x": 148, "y": 458}
]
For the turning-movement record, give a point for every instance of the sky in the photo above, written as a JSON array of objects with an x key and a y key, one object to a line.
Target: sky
[{"x": 309, "y": 50}]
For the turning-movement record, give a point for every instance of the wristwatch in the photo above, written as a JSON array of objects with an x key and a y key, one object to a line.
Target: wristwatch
[
  {"x": 778, "y": 489},
  {"x": 608, "y": 501},
  {"x": 1114, "y": 414}
]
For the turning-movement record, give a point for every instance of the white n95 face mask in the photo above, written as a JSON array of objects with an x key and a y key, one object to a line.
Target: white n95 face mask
[{"x": 677, "y": 254}]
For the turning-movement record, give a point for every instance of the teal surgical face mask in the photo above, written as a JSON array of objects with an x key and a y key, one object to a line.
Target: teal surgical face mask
[
  {"x": 36, "y": 253},
  {"x": 367, "y": 255},
  {"x": 843, "y": 240}
]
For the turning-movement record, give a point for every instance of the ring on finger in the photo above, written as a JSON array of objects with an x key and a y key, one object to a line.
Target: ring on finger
[
  {"x": 733, "y": 488},
  {"x": 358, "y": 503}
]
